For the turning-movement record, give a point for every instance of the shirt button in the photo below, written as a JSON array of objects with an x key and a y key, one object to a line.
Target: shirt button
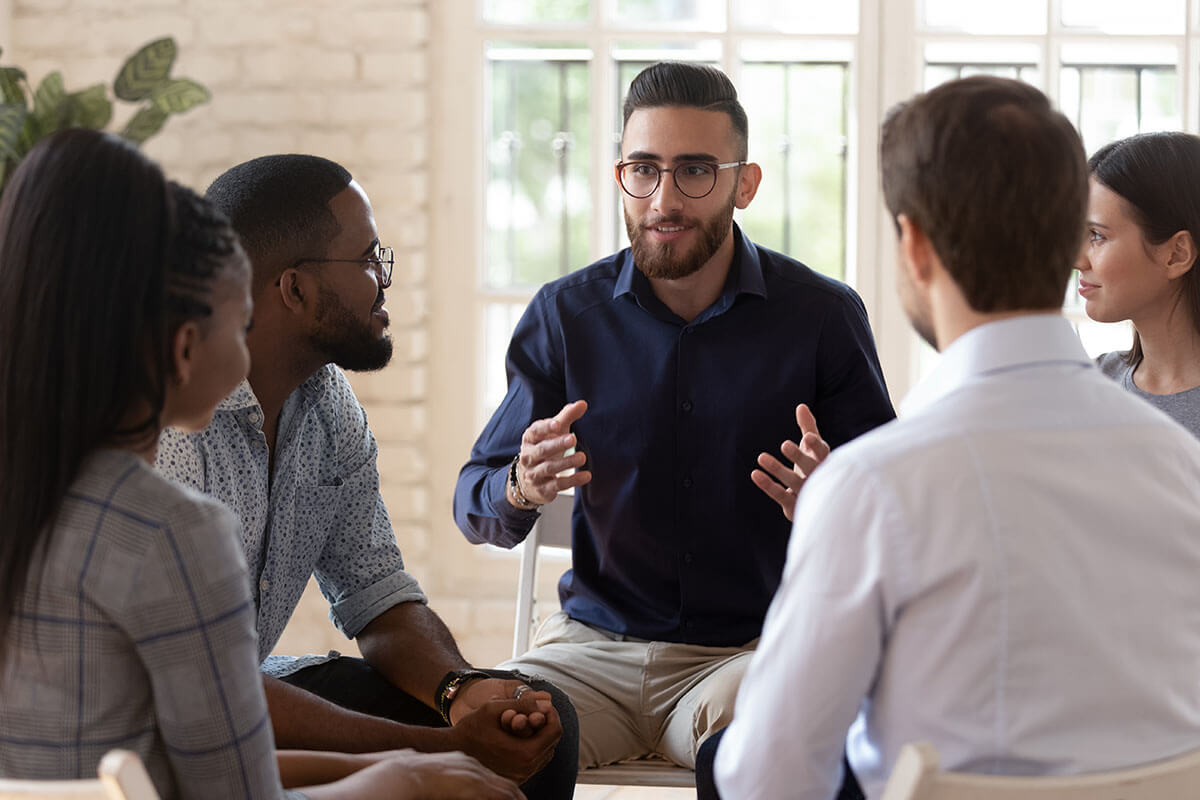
[
  {"x": 688, "y": 558},
  {"x": 687, "y": 405},
  {"x": 255, "y": 417},
  {"x": 687, "y": 483},
  {"x": 263, "y": 585}
]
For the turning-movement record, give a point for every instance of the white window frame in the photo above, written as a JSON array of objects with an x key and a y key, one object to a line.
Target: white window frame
[{"x": 885, "y": 70}]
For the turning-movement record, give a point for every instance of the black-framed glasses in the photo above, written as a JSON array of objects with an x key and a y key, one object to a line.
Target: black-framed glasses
[
  {"x": 694, "y": 179},
  {"x": 384, "y": 259}
]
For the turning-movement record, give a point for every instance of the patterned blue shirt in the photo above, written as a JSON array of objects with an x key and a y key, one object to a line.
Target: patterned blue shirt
[
  {"x": 139, "y": 634},
  {"x": 319, "y": 514}
]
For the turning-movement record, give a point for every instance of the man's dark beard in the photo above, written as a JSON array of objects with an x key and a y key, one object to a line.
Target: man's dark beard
[
  {"x": 659, "y": 260},
  {"x": 346, "y": 340}
]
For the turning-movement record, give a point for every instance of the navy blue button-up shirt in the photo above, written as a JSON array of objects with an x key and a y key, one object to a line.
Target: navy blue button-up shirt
[{"x": 671, "y": 540}]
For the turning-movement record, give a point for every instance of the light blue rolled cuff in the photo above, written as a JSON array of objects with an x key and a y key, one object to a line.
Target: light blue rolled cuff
[{"x": 352, "y": 613}]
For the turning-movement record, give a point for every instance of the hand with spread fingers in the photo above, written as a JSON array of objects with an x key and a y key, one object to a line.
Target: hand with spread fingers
[
  {"x": 782, "y": 483},
  {"x": 535, "y": 477}
]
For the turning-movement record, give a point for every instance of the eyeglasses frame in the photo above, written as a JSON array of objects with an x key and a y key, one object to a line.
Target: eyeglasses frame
[
  {"x": 386, "y": 261},
  {"x": 716, "y": 168}
]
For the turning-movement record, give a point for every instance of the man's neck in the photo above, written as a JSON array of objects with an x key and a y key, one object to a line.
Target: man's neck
[
  {"x": 690, "y": 295},
  {"x": 277, "y": 370}
]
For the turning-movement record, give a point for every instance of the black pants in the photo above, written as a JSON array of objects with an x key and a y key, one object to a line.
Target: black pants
[
  {"x": 352, "y": 683},
  {"x": 706, "y": 787}
]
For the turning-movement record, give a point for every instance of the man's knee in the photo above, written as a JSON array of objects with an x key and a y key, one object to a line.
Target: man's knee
[{"x": 713, "y": 709}]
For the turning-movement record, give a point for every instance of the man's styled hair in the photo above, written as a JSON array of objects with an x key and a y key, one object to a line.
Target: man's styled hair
[
  {"x": 681, "y": 83},
  {"x": 998, "y": 181},
  {"x": 279, "y": 205}
]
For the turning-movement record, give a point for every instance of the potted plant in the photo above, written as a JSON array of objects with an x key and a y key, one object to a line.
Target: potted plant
[{"x": 28, "y": 114}]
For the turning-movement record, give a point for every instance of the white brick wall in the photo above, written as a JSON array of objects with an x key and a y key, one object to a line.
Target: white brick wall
[{"x": 346, "y": 79}]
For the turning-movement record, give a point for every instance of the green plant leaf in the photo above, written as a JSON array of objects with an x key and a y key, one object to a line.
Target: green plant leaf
[
  {"x": 12, "y": 123},
  {"x": 50, "y": 104},
  {"x": 144, "y": 124},
  {"x": 10, "y": 85},
  {"x": 177, "y": 96},
  {"x": 144, "y": 70},
  {"x": 89, "y": 108}
]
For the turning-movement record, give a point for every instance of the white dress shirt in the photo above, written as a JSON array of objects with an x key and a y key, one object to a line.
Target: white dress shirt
[{"x": 1010, "y": 571}]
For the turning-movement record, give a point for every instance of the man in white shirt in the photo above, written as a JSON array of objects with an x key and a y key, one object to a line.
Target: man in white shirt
[{"x": 1009, "y": 571}]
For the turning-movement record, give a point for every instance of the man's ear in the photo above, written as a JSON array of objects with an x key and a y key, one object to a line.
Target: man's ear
[
  {"x": 917, "y": 255},
  {"x": 183, "y": 351},
  {"x": 294, "y": 290},
  {"x": 749, "y": 177},
  {"x": 1181, "y": 254}
]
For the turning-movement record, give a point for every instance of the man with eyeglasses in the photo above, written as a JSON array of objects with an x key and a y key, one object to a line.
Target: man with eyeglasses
[
  {"x": 291, "y": 453},
  {"x": 653, "y": 382}
]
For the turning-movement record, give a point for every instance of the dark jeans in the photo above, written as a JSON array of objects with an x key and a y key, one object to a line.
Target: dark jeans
[
  {"x": 354, "y": 684},
  {"x": 706, "y": 787}
]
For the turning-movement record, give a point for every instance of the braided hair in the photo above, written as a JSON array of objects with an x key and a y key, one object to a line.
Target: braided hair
[{"x": 101, "y": 261}]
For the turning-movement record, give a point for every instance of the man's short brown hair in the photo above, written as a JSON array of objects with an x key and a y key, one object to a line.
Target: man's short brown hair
[{"x": 998, "y": 181}]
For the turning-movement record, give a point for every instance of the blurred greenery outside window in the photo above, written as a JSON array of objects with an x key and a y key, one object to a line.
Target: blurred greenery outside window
[
  {"x": 550, "y": 142},
  {"x": 1113, "y": 67},
  {"x": 1116, "y": 66}
]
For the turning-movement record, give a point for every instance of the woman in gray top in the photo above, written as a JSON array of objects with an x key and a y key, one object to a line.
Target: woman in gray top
[
  {"x": 1138, "y": 264},
  {"x": 126, "y": 618}
]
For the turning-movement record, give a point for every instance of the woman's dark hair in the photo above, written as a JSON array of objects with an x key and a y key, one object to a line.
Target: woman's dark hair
[
  {"x": 101, "y": 259},
  {"x": 1158, "y": 176}
]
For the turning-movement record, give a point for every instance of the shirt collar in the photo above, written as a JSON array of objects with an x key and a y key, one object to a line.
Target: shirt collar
[
  {"x": 243, "y": 396},
  {"x": 745, "y": 274},
  {"x": 1026, "y": 341},
  {"x": 240, "y": 398}
]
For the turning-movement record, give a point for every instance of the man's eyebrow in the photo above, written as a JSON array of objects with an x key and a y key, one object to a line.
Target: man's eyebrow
[
  {"x": 642, "y": 155},
  {"x": 371, "y": 247},
  {"x": 1093, "y": 224}
]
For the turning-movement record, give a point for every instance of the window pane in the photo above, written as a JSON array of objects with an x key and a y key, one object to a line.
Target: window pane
[
  {"x": 945, "y": 61},
  {"x": 513, "y": 12},
  {"x": 538, "y": 202},
  {"x": 499, "y": 319},
  {"x": 1123, "y": 16},
  {"x": 986, "y": 16},
  {"x": 798, "y": 132},
  {"x": 799, "y": 16},
  {"x": 675, "y": 14}
]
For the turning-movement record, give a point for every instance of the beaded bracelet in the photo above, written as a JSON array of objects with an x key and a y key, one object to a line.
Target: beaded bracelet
[{"x": 518, "y": 495}]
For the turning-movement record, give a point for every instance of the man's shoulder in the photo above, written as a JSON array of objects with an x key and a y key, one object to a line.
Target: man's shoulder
[
  {"x": 784, "y": 274},
  {"x": 595, "y": 281}
]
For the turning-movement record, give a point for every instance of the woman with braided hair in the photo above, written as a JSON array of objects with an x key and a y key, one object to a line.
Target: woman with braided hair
[{"x": 126, "y": 618}]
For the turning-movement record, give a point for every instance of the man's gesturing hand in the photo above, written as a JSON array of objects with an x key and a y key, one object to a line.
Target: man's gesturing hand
[
  {"x": 542, "y": 457},
  {"x": 805, "y": 457}
]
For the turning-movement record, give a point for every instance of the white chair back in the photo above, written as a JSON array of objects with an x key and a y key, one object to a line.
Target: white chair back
[
  {"x": 916, "y": 776},
  {"x": 553, "y": 529},
  {"x": 121, "y": 777}
]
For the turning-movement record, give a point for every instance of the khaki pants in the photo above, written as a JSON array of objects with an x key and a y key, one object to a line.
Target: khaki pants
[{"x": 636, "y": 697}]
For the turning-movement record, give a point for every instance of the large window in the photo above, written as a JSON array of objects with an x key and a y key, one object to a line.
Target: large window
[
  {"x": 555, "y": 76},
  {"x": 816, "y": 77}
]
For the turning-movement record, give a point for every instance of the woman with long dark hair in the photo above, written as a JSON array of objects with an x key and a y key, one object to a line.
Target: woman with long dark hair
[
  {"x": 126, "y": 618},
  {"x": 1139, "y": 264}
]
